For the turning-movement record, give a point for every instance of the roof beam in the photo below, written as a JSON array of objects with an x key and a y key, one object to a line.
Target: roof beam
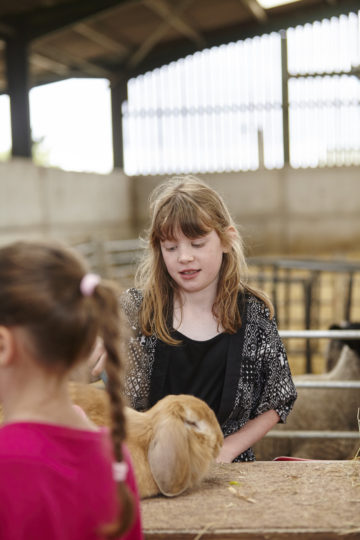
[
  {"x": 71, "y": 60},
  {"x": 354, "y": 71},
  {"x": 46, "y": 20},
  {"x": 49, "y": 64},
  {"x": 176, "y": 20},
  {"x": 101, "y": 39},
  {"x": 6, "y": 30},
  {"x": 156, "y": 36},
  {"x": 257, "y": 11},
  {"x": 49, "y": 78}
]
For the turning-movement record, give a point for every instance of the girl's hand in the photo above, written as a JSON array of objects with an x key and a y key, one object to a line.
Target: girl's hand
[
  {"x": 225, "y": 455},
  {"x": 97, "y": 359},
  {"x": 249, "y": 434}
]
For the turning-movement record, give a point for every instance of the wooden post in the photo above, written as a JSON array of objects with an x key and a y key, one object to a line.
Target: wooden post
[
  {"x": 18, "y": 89},
  {"x": 118, "y": 96},
  {"x": 285, "y": 96}
]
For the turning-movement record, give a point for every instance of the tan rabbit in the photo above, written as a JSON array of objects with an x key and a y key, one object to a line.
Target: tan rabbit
[
  {"x": 94, "y": 401},
  {"x": 172, "y": 444}
]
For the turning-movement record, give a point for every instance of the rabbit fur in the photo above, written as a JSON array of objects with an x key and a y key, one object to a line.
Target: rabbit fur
[{"x": 172, "y": 445}]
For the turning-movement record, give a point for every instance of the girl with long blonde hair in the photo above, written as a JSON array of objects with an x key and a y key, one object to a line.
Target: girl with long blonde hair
[{"x": 199, "y": 327}]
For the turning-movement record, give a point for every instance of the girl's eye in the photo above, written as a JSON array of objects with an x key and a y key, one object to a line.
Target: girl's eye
[
  {"x": 170, "y": 248},
  {"x": 197, "y": 245}
]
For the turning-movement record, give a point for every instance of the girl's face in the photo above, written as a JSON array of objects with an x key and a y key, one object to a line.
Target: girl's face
[{"x": 193, "y": 263}]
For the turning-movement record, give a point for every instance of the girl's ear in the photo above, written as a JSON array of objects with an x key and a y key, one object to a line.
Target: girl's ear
[
  {"x": 6, "y": 346},
  {"x": 232, "y": 234}
]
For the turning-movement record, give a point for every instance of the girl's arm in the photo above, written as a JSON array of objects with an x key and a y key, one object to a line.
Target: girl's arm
[
  {"x": 97, "y": 358},
  {"x": 249, "y": 434}
]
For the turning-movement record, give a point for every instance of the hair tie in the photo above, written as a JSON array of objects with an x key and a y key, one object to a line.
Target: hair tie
[
  {"x": 88, "y": 284},
  {"x": 120, "y": 469}
]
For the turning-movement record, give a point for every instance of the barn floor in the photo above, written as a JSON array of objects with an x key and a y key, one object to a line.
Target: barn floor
[{"x": 263, "y": 501}]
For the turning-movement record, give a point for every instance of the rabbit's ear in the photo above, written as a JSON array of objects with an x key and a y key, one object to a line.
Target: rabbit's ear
[{"x": 169, "y": 458}]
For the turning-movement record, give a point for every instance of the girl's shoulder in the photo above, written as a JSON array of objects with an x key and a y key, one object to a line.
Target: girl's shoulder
[
  {"x": 130, "y": 302},
  {"x": 256, "y": 307},
  {"x": 131, "y": 297}
]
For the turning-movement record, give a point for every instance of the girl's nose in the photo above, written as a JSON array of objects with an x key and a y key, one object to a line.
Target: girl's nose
[{"x": 185, "y": 256}]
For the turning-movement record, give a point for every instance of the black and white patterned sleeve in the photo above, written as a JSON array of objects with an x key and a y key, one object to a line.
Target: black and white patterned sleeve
[
  {"x": 140, "y": 353},
  {"x": 130, "y": 303},
  {"x": 278, "y": 389}
]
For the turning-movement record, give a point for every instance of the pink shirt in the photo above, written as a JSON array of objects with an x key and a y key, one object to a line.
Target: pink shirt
[{"x": 56, "y": 483}]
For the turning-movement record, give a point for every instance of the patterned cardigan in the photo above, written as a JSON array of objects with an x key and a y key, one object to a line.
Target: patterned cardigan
[{"x": 257, "y": 374}]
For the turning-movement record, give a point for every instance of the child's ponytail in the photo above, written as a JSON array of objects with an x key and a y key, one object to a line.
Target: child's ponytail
[{"x": 110, "y": 329}]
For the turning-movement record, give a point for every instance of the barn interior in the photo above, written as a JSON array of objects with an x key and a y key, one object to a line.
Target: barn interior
[{"x": 301, "y": 224}]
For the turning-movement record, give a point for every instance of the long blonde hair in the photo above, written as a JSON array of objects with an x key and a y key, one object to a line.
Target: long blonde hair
[{"x": 187, "y": 204}]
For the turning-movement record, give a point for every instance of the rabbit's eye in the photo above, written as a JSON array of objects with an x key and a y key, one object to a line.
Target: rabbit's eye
[{"x": 192, "y": 424}]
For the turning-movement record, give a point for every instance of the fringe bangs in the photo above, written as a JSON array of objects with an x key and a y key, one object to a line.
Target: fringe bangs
[{"x": 180, "y": 214}]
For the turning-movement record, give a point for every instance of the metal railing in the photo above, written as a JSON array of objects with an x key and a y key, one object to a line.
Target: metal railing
[
  {"x": 283, "y": 276},
  {"x": 302, "y": 434},
  {"x": 319, "y": 334},
  {"x": 321, "y": 384}
]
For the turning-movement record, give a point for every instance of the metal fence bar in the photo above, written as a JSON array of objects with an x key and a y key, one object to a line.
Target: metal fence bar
[
  {"x": 318, "y": 334},
  {"x": 327, "y": 384},
  {"x": 290, "y": 434},
  {"x": 302, "y": 434},
  {"x": 132, "y": 244},
  {"x": 341, "y": 266}
]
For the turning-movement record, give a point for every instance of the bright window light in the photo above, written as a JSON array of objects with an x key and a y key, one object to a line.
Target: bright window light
[{"x": 267, "y": 4}]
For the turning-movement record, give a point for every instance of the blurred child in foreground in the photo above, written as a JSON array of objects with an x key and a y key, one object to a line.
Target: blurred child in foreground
[{"x": 61, "y": 478}]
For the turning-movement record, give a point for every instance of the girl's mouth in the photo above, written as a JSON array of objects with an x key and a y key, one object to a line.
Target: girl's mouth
[{"x": 189, "y": 273}]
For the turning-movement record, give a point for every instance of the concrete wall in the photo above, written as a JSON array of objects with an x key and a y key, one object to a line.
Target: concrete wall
[
  {"x": 45, "y": 202},
  {"x": 286, "y": 211}
]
